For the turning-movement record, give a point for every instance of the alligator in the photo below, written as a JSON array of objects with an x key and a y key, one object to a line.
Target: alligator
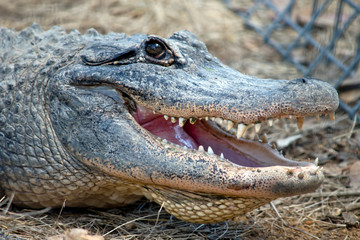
[{"x": 93, "y": 120}]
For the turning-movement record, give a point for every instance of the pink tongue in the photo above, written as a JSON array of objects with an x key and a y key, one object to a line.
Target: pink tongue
[
  {"x": 171, "y": 132},
  {"x": 158, "y": 126},
  {"x": 191, "y": 136},
  {"x": 144, "y": 115}
]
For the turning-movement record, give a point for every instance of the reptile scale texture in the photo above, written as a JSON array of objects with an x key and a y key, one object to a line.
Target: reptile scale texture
[{"x": 103, "y": 120}]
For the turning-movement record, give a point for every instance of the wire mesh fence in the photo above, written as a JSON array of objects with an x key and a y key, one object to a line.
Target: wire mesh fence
[{"x": 319, "y": 39}]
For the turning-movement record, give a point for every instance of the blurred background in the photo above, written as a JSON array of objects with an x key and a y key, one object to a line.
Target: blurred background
[
  {"x": 211, "y": 21},
  {"x": 259, "y": 38}
]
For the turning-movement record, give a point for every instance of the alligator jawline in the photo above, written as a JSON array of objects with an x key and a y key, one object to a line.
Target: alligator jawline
[{"x": 208, "y": 135}]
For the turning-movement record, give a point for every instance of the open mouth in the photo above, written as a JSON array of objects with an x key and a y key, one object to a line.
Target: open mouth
[{"x": 215, "y": 136}]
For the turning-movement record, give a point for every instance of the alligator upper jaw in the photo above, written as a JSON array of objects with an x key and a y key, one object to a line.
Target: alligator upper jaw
[{"x": 206, "y": 134}]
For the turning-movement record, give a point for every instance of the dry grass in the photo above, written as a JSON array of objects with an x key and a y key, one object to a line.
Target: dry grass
[{"x": 330, "y": 213}]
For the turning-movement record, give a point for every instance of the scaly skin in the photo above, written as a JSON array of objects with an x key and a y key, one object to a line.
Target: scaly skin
[{"x": 77, "y": 125}]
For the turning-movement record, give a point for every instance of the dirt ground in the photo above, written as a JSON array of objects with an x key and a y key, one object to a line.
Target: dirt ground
[{"x": 332, "y": 212}]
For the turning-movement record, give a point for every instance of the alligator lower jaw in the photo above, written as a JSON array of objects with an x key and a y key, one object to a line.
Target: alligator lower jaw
[{"x": 220, "y": 137}]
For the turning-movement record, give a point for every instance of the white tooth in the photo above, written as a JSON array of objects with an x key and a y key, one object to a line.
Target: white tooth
[
  {"x": 222, "y": 156},
  {"x": 210, "y": 151},
  {"x": 270, "y": 122},
  {"x": 166, "y": 117},
  {"x": 290, "y": 116},
  {"x": 230, "y": 125},
  {"x": 173, "y": 119},
  {"x": 185, "y": 147},
  {"x": 201, "y": 148},
  {"x": 212, "y": 118},
  {"x": 154, "y": 112},
  {"x": 240, "y": 130},
  {"x": 317, "y": 162},
  {"x": 182, "y": 121},
  {"x": 315, "y": 171},
  {"x": 207, "y": 118},
  {"x": 219, "y": 120},
  {"x": 167, "y": 146},
  {"x": 164, "y": 141},
  {"x": 257, "y": 127}
]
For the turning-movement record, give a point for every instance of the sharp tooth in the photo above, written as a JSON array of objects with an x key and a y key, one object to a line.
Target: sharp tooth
[
  {"x": 300, "y": 122},
  {"x": 164, "y": 141},
  {"x": 230, "y": 125},
  {"x": 185, "y": 147},
  {"x": 219, "y": 120},
  {"x": 154, "y": 112},
  {"x": 290, "y": 116},
  {"x": 192, "y": 120},
  {"x": 315, "y": 171},
  {"x": 201, "y": 148},
  {"x": 212, "y": 118},
  {"x": 182, "y": 121},
  {"x": 317, "y": 117},
  {"x": 224, "y": 124},
  {"x": 257, "y": 127},
  {"x": 166, "y": 117},
  {"x": 173, "y": 119},
  {"x": 264, "y": 139},
  {"x": 316, "y": 162},
  {"x": 210, "y": 151},
  {"x": 270, "y": 122},
  {"x": 207, "y": 118},
  {"x": 222, "y": 156},
  {"x": 332, "y": 116},
  {"x": 241, "y": 129}
]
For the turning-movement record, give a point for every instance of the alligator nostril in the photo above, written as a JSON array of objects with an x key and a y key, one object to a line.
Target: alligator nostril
[{"x": 302, "y": 80}]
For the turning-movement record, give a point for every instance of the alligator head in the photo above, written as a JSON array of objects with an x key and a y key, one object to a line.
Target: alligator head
[{"x": 166, "y": 116}]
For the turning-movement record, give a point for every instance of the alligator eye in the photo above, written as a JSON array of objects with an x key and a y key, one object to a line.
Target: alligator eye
[{"x": 155, "y": 49}]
